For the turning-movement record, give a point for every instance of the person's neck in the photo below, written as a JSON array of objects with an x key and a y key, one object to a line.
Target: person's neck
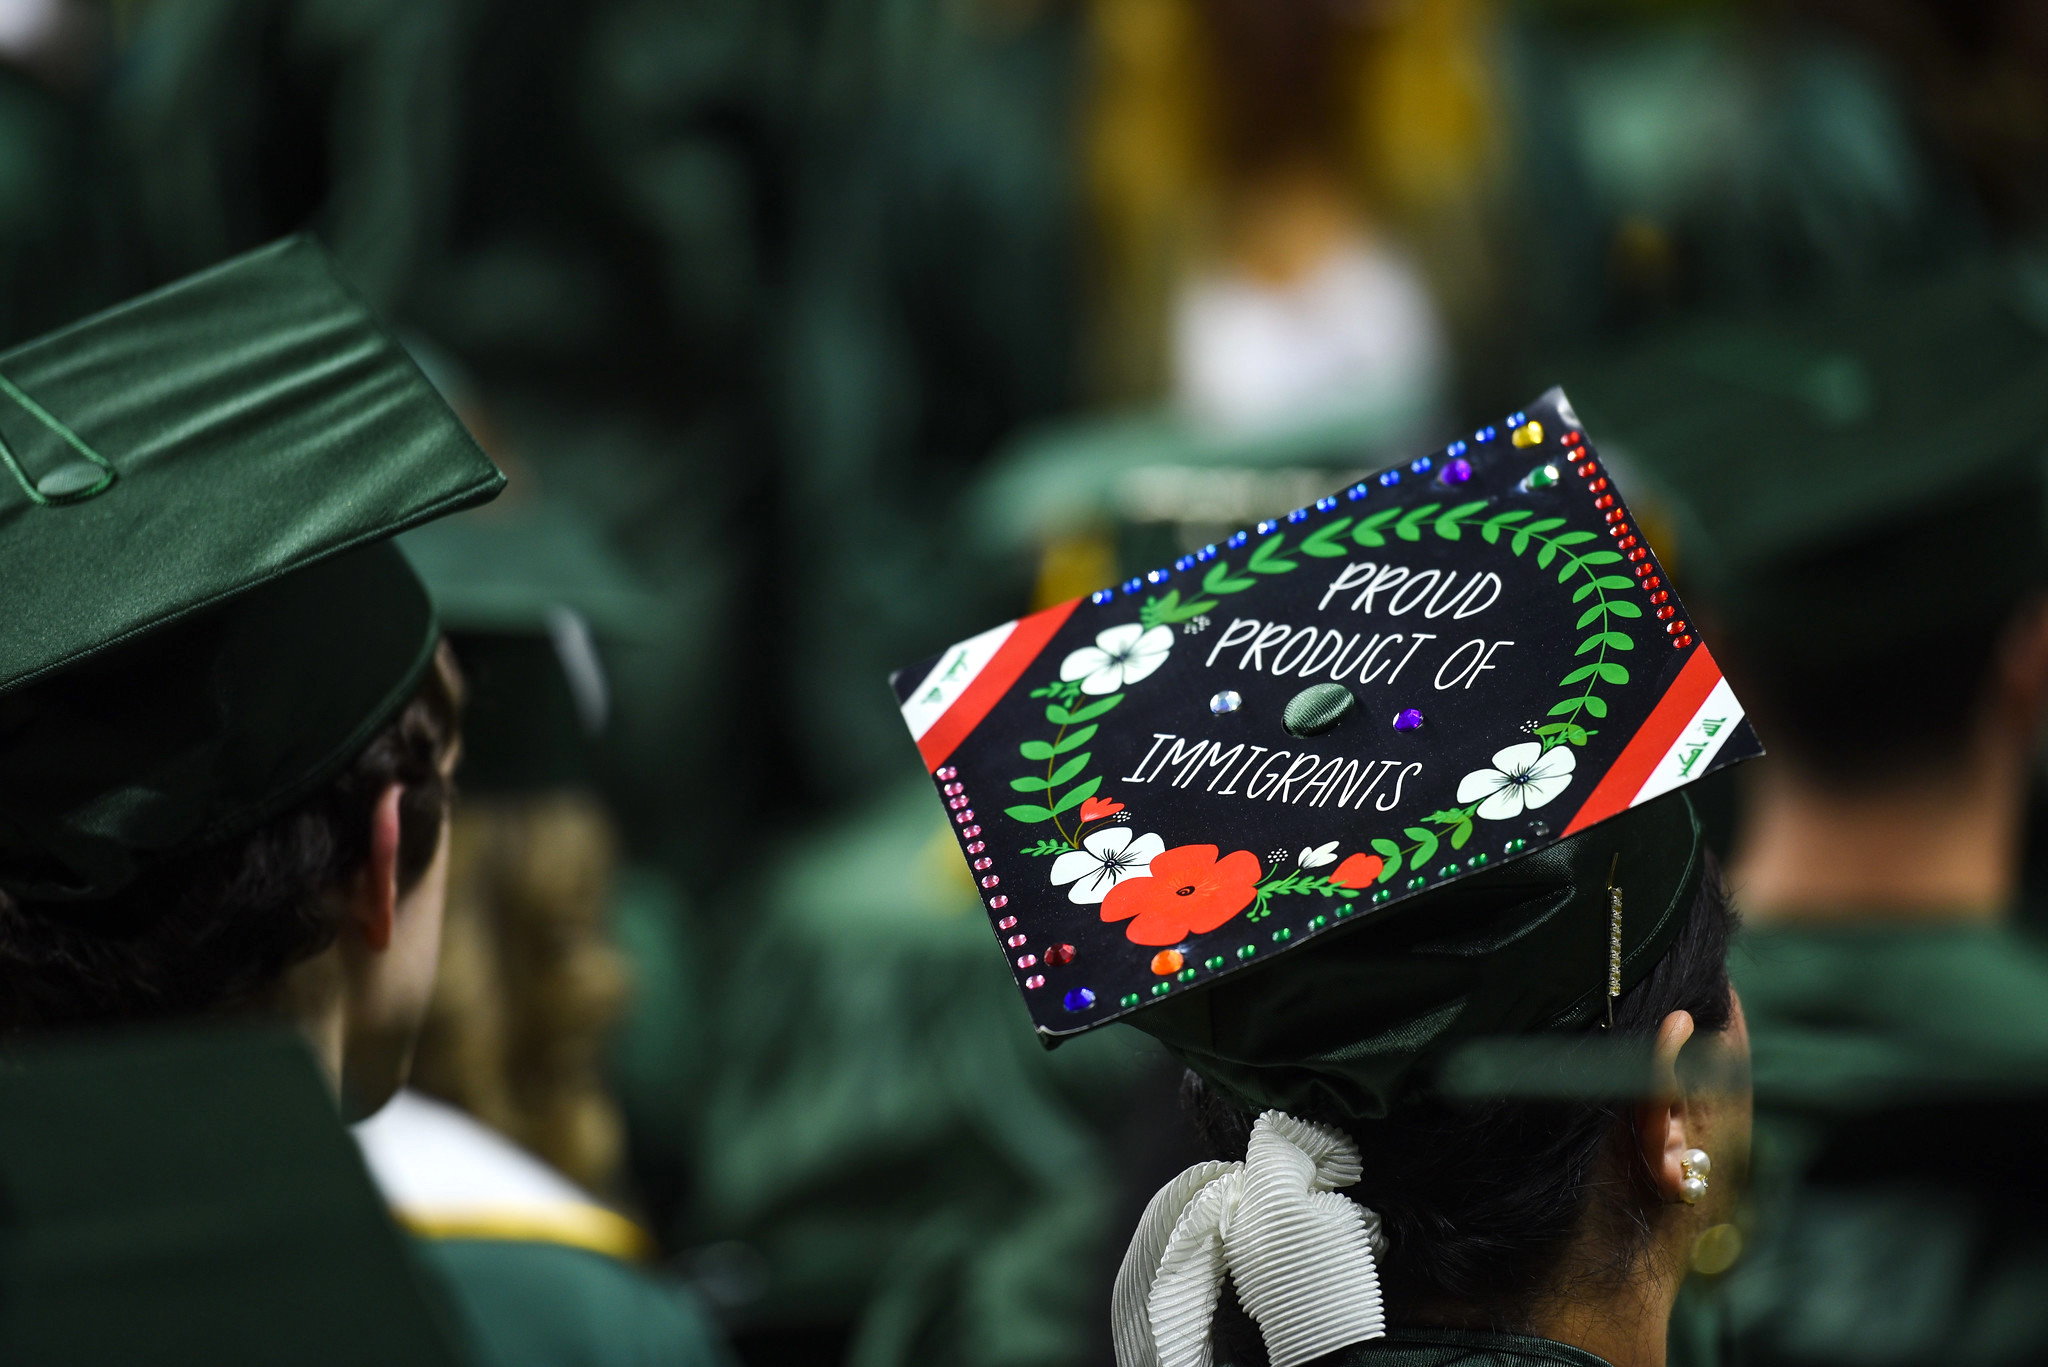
[
  {"x": 1944, "y": 848},
  {"x": 309, "y": 999},
  {"x": 1625, "y": 1326}
]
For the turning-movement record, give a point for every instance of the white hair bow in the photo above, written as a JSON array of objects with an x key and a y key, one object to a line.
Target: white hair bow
[{"x": 1303, "y": 1258}]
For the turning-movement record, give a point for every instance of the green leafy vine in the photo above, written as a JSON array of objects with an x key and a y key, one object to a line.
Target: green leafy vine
[
  {"x": 1063, "y": 768},
  {"x": 1160, "y": 611}
]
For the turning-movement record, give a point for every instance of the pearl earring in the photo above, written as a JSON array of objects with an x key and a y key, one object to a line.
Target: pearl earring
[{"x": 1694, "y": 1165}]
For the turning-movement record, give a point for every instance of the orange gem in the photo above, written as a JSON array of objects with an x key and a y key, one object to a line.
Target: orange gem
[{"x": 1167, "y": 962}]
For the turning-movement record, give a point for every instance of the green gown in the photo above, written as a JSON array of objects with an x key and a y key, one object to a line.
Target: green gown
[
  {"x": 1457, "y": 1348},
  {"x": 1901, "y": 1081}
]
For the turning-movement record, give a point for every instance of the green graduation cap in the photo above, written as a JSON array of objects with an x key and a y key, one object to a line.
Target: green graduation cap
[
  {"x": 528, "y": 592},
  {"x": 1353, "y": 787},
  {"x": 177, "y": 1198},
  {"x": 197, "y": 491}
]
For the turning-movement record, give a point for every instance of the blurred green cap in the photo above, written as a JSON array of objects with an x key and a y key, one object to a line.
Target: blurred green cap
[{"x": 197, "y": 491}]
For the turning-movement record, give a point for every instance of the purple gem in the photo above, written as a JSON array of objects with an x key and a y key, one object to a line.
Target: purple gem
[
  {"x": 1456, "y": 472},
  {"x": 1407, "y": 719},
  {"x": 1080, "y": 999}
]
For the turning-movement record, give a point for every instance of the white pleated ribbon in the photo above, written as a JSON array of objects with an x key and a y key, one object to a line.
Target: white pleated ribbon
[{"x": 1303, "y": 1258}]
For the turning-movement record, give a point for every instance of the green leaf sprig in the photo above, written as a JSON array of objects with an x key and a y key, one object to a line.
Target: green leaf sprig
[{"x": 1063, "y": 768}]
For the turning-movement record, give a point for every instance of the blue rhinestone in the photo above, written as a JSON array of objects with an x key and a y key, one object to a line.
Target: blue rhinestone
[
  {"x": 1326, "y": 502},
  {"x": 1157, "y": 576},
  {"x": 1080, "y": 999},
  {"x": 1207, "y": 552},
  {"x": 1517, "y": 419},
  {"x": 1267, "y": 526},
  {"x": 1485, "y": 434},
  {"x": 1357, "y": 491},
  {"x": 1133, "y": 585},
  {"x": 1102, "y": 595},
  {"x": 1456, "y": 448},
  {"x": 1390, "y": 478},
  {"x": 1238, "y": 539},
  {"x": 1420, "y": 465},
  {"x": 1186, "y": 562},
  {"x": 1298, "y": 515}
]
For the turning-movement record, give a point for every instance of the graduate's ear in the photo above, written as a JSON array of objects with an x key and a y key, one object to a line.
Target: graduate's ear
[
  {"x": 373, "y": 895},
  {"x": 1661, "y": 1122}
]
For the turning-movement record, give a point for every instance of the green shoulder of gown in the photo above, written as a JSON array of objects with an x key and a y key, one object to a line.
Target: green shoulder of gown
[{"x": 1458, "y": 1348}]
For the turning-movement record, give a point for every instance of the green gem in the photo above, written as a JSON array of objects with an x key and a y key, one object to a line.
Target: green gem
[
  {"x": 1345, "y": 908},
  {"x": 1318, "y": 922},
  {"x": 1447, "y": 870},
  {"x": 1282, "y": 935},
  {"x": 1382, "y": 894},
  {"x": 1161, "y": 989},
  {"x": 1247, "y": 951},
  {"x": 1542, "y": 477},
  {"x": 1213, "y": 962},
  {"x": 1186, "y": 975},
  {"x": 1516, "y": 845},
  {"x": 1415, "y": 883},
  {"x": 1132, "y": 999},
  {"x": 1475, "y": 861}
]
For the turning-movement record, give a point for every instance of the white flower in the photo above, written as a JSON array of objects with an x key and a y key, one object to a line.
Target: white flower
[
  {"x": 1523, "y": 776},
  {"x": 1121, "y": 655},
  {"x": 1318, "y": 856},
  {"x": 1104, "y": 859}
]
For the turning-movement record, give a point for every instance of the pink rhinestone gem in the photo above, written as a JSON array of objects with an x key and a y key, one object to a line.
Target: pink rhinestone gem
[
  {"x": 998, "y": 903},
  {"x": 1016, "y": 941},
  {"x": 1006, "y": 922},
  {"x": 971, "y": 831},
  {"x": 1027, "y": 961},
  {"x": 956, "y": 803},
  {"x": 1035, "y": 980},
  {"x": 989, "y": 880},
  {"x": 984, "y": 863},
  {"x": 949, "y": 772},
  {"x": 977, "y": 847},
  {"x": 954, "y": 789},
  {"x": 962, "y": 818}
]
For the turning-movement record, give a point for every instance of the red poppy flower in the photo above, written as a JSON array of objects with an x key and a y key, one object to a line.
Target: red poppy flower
[
  {"x": 1358, "y": 871},
  {"x": 1190, "y": 891},
  {"x": 1096, "y": 808}
]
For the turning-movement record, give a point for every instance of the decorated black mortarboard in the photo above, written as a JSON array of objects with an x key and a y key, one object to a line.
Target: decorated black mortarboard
[
  {"x": 208, "y": 619},
  {"x": 1447, "y": 696}
]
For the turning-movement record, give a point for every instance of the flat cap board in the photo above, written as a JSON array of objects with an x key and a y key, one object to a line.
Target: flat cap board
[
  {"x": 1450, "y": 664},
  {"x": 204, "y": 439},
  {"x": 194, "y": 1198}
]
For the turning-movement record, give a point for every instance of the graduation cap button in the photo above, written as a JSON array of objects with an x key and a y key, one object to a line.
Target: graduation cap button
[
  {"x": 1316, "y": 709},
  {"x": 74, "y": 479}
]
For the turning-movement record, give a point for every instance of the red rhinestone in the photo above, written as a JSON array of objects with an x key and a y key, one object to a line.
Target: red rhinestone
[
  {"x": 1593, "y": 486},
  {"x": 1604, "y": 501},
  {"x": 1616, "y": 514},
  {"x": 1666, "y": 613},
  {"x": 1659, "y": 596},
  {"x": 1572, "y": 438},
  {"x": 1675, "y": 627},
  {"x": 1682, "y": 642},
  {"x": 1639, "y": 554},
  {"x": 1586, "y": 468},
  {"x": 1060, "y": 954},
  {"x": 989, "y": 880},
  {"x": 1625, "y": 543},
  {"x": 1642, "y": 570}
]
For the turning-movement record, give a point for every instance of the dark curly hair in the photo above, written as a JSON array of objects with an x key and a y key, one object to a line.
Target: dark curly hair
[
  {"x": 1481, "y": 1199},
  {"x": 213, "y": 931}
]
